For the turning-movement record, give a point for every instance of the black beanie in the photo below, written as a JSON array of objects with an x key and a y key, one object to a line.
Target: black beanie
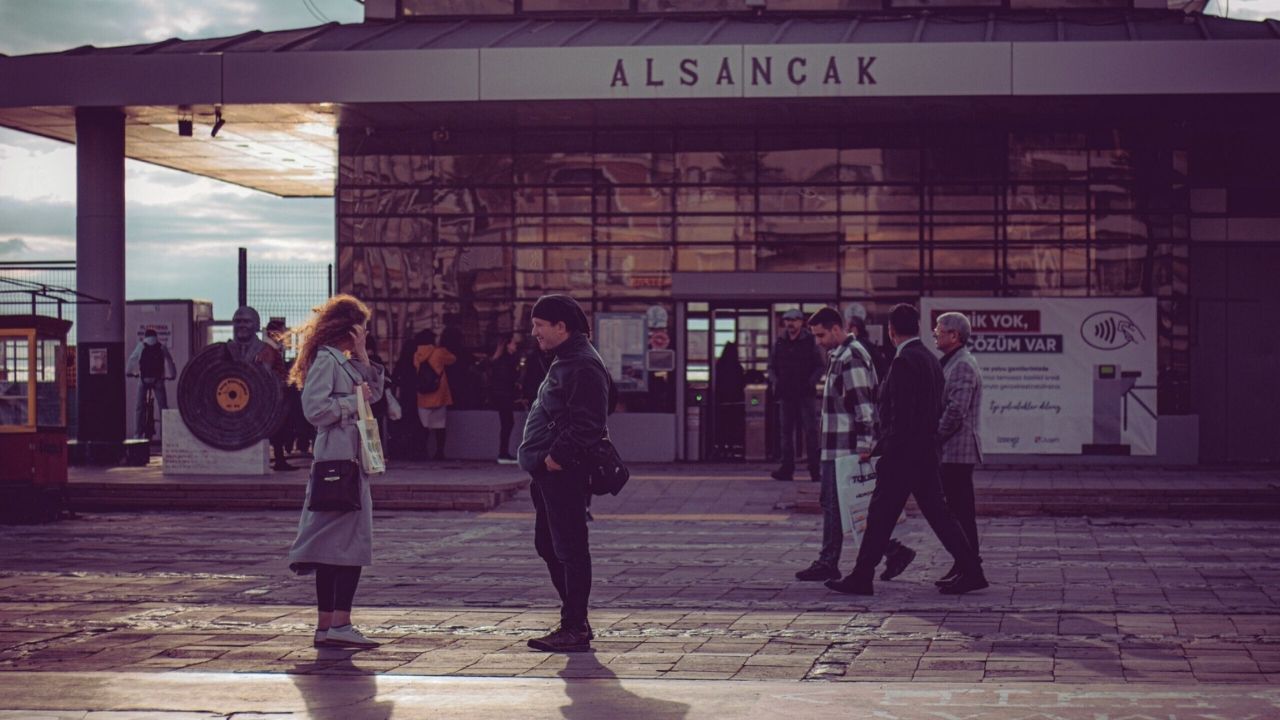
[{"x": 561, "y": 308}]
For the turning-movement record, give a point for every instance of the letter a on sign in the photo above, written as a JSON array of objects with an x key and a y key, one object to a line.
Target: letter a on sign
[{"x": 619, "y": 76}]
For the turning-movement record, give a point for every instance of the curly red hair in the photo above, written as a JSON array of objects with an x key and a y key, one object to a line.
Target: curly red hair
[{"x": 330, "y": 325}]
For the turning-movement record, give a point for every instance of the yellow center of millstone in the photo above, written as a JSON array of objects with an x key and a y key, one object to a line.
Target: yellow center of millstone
[{"x": 233, "y": 395}]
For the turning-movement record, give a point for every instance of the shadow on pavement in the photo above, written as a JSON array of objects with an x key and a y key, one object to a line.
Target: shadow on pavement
[
  {"x": 335, "y": 688},
  {"x": 595, "y": 692}
]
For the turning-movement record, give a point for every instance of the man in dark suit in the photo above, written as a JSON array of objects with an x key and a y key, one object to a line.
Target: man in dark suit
[{"x": 910, "y": 404}]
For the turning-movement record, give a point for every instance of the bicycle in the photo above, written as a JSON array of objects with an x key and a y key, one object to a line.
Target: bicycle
[{"x": 147, "y": 428}]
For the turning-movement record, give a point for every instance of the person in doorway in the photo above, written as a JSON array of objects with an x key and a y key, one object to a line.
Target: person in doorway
[
  {"x": 504, "y": 381},
  {"x": 910, "y": 404},
  {"x": 331, "y": 368},
  {"x": 959, "y": 428},
  {"x": 432, "y": 385},
  {"x": 731, "y": 386},
  {"x": 856, "y": 325},
  {"x": 848, "y": 428},
  {"x": 795, "y": 368},
  {"x": 567, "y": 419},
  {"x": 407, "y": 438},
  {"x": 152, "y": 364}
]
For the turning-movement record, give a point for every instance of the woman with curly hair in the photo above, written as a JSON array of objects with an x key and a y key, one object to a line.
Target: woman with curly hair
[{"x": 331, "y": 368}]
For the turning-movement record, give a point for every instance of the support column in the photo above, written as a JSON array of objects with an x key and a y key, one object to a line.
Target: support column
[{"x": 100, "y": 355}]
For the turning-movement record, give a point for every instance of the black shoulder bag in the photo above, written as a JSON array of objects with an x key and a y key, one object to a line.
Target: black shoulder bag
[
  {"x": 606, "y": 472},
  {"x": 335, "y": 484}
]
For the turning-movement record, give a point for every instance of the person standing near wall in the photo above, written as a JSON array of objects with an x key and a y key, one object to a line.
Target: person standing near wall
[
  {"x": 433, "y": 399},
  {"x": 960, "y": 427},
  {"x": 795, "y": 368},
  {"x": 504, "y": 380}
]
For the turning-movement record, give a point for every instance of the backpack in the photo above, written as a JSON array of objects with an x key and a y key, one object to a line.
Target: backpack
[{"x": 428, "y": 378}]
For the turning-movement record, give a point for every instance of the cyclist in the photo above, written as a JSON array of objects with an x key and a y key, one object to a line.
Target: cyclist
[{"x": 152, "y": 363}]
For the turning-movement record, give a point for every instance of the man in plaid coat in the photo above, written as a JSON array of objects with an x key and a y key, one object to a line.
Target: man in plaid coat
[
  {"x": 959, "y": 436},
  {"x": 848, "y": 427}
]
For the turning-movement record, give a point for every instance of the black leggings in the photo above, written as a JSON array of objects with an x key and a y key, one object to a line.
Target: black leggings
[{"x": 336, "y": 586}]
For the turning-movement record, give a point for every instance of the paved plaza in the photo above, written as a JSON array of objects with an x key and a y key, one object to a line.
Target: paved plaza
[{"x": 695, "y": 608}]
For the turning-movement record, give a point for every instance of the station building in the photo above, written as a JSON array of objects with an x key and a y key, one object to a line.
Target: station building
[{"x": 689, "y": 169}]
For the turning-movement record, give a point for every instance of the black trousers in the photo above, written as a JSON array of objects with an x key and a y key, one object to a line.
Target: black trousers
[
  {"x": 898, "y": 478},
  {"x": 506, "y": 421},
  {"x": 957, "y": 486},
  {"x": 336, "y": 586},
  {"x": 560, "y": 537}
]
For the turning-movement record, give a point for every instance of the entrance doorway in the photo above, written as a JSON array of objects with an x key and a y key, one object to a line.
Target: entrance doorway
[{"x": 729, "y": 412}]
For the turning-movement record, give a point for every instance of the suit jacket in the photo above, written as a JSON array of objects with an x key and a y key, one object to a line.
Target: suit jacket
[
  {"x": 961, "y": 422},
  {"x": 910, "y": 404}
]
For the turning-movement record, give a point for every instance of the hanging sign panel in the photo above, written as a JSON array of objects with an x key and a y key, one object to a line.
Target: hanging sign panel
[
  {"x": 1061, "y": 376},
  {"x": 623, "y": 341}
]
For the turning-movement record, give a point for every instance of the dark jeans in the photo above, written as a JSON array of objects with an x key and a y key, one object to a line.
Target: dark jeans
[
  {"x": 957, "y": 487},
  {"x": 336, "y": 586},
  {"x": 560, "y": 537},
  {"x": 506, "y": 421},
  {"x": 832, "y": 526},
  {"x": 910, "y": 473},
  {"x": 803, "y": 411}
]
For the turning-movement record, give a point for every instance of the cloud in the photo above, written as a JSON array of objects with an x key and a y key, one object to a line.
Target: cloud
[
  {"x": 13, "y": 246},
  {"x": 56, "y": 25}
]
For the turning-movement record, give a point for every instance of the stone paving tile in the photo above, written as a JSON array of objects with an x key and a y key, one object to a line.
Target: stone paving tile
[{"x": 1074, "y": 600}]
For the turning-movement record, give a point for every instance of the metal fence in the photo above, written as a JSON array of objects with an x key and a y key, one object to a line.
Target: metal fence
[
  {"x": 21, "y": 285},
  {"x": 287, "y": 290}
]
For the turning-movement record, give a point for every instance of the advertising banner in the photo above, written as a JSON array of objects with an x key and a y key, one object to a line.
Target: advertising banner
[
  {"x": 622, "y": 339},
  {"x": 1061, "y": 376}
]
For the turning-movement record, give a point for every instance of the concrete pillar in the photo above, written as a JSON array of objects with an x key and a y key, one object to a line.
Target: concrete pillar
[{"x": 100, "y": 355}]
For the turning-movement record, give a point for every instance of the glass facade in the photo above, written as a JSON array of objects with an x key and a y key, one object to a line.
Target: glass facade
[{"x": 469, "y": 231}]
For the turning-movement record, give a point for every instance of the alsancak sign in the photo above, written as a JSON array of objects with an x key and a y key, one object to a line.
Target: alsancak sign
[{"x": 745, "y": 71}]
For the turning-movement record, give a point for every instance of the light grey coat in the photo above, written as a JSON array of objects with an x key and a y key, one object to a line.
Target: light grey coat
[
  {"x": 960, "y": 427},
  {"x": 329, "y": 402}
]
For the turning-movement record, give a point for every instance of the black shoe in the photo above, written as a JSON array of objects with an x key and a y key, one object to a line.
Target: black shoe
[
  {"x": 564, "y": 640},
  {"x": 965, "y": 582},
  {"x": 781, "y": 474},
  {"x": 950, "y": 577},
  {"x": 851, "y": 586},
  {"x": 897, "y": 561},
  {"x": 818, "y": 571},
  {"x": 283, "y": 466}
]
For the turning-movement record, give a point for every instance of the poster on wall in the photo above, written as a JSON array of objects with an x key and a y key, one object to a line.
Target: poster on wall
[
  {"x": 1061, "y": 376},
  {"x": 622, "y": 340}
]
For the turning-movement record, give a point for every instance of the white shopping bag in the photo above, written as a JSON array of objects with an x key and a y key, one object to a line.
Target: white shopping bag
[
  {"x": 372, "y": 461},
  {"x": 855, "y": 482}
]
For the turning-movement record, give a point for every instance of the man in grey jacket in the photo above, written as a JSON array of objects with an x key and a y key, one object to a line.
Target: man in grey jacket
[
  {"x": 959, "y": 436},
  {"x": 566, "y": 420}
]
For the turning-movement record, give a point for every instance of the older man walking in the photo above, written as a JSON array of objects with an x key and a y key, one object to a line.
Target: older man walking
[
  {"x": 910, "y": 404},
  {"x": 959, "y": 428}
]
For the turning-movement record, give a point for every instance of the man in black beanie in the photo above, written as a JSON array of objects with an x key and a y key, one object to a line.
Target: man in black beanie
[{"x": 566, "y": 419}]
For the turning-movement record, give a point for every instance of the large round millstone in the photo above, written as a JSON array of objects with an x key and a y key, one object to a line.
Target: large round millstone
[{"x": 230, "y": 404}]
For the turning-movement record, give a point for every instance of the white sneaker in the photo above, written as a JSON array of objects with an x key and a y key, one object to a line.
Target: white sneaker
[
  {"x": 348, "y": 636},
  {"x": 506, "y": 461},
  {"x": 321, "y": 639}
]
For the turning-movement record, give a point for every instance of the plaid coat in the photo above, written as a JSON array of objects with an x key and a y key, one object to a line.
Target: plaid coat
[
  {"x": 959, "y": 428},
  {"x": 848, "y": 401}
]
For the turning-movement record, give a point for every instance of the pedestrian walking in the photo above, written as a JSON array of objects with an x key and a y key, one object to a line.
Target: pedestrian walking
[
  {"x": 430, "y": 362},
  {"x": 910, "y": 404},
  {"x": 848, "y": 428},
  {"x": 730, "y": 392},
  {"x": 959, "y": 428},
  {"x": 795, "y": 368},
  {"x": 566, "y": 420},
  {"x": 504, "y": 381},
  {"x": 331, "y": 368}
]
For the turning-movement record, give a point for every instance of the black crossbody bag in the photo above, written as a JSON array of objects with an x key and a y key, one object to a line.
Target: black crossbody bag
[{"x": 335, "y": 484}]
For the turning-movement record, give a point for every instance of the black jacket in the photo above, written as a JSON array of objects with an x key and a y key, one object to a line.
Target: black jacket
[
  {"x": 796, "y": 366},
  {"x": 569, "y": 413},
  {"x": 910, "y": 405}
]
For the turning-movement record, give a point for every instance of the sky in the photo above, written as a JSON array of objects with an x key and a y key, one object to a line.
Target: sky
[{"x": 182, "y": 230}]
